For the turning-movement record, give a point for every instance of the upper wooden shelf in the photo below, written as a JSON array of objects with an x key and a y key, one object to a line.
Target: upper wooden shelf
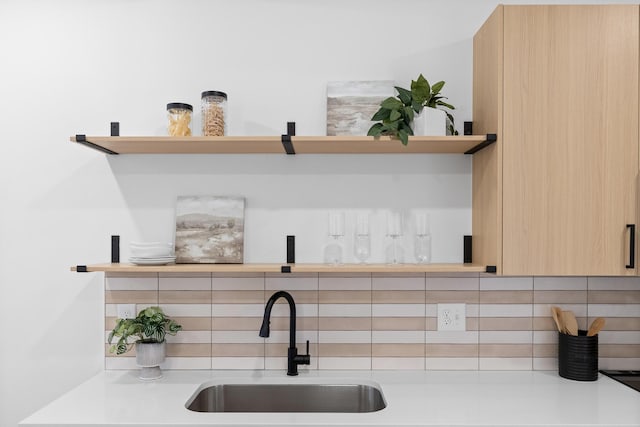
[
  {"x": 278, "y": 268},
  {"x": 274, "y": 144}
]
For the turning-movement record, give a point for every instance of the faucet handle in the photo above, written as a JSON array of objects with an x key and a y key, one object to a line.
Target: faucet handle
[{"x": 307, "y": 347}]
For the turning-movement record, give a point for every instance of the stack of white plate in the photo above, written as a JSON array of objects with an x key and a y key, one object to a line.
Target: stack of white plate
[{"x": 151, "y": 253}]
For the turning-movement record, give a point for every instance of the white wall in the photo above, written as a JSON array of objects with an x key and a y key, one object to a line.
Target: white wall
[{"x": 71, "y": 67}]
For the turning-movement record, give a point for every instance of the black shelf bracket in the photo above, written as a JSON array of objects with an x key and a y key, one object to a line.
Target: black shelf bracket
[
  {"x": 81, "y": 268},
  {"x": 285, "y": 269},
  {"x": 491, "y": 269},
  {"x": 491, "y": 138},
  {"x": 115, "y": 128},
  {"x": 82, "y": 139},
  {"x": 286, "y": 139}
]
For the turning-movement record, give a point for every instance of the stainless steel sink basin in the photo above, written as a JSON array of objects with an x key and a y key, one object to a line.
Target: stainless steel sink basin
[{"x": 287, "y": 398}]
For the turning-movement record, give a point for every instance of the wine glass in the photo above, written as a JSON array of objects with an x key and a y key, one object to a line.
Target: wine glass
[
  {"x": 362, "y": 239},
  {"x": 422, "y": 240},
  {"x": 333, "y": 250},
  {"x": 395, "y": 252}
]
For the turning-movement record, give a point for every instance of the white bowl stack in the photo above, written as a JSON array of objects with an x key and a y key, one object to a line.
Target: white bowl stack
[{"x": 151, "y": 253}]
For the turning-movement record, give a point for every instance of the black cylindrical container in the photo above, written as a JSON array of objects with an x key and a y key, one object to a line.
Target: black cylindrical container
[{"x": 578, "y": 356}]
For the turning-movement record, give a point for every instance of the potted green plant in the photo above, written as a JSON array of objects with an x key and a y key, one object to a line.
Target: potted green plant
[
  {"x": 397, "y": 114},
  {"x": 150, "y": 327}
]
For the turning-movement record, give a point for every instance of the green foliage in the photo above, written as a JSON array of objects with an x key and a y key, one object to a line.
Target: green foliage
[
  {"x": 396, "y": 114},
  {"x": 150, "y": 325}
]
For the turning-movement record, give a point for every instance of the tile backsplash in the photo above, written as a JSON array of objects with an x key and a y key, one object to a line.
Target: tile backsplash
[{"x": 379, "y": 321}]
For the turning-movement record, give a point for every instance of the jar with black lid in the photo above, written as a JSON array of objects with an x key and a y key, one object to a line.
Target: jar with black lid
[
  {"x": 179, "y": 115},
  {"x": 214, "y": 112}
]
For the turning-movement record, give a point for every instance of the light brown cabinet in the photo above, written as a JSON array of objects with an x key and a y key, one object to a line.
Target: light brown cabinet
[{"x": 554, "y": 195}]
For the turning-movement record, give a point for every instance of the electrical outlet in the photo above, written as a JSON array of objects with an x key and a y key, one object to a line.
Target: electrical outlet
[
  {"x": 452, "y": 317},
  {"x": 126, "y": 311}
]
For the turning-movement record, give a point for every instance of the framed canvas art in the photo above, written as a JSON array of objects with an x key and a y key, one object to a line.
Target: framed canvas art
[{"x": 209, "y": 230}]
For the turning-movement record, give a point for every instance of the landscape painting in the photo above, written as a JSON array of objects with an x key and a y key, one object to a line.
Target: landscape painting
[
  {"x": 209, "y": 230},
  {"x": 351, "y": 104}
]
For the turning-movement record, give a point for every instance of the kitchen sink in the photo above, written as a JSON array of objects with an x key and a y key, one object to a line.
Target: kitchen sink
[{"x": 287, "y": 398}]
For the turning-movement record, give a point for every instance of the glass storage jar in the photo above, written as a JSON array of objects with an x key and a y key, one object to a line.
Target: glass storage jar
[
  {"x": 214, "y": 112},
  {"x": 179, "y": 115}
]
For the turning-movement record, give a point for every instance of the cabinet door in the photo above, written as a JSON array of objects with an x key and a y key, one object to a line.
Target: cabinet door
[{"x": 570, "y": 134}]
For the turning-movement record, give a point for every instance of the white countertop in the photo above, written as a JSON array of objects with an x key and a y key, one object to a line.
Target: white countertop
[{"x": 414, "y": 398}]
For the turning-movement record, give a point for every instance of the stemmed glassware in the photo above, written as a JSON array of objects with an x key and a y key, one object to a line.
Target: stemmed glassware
[
  {"x": 422, "y": 241},
  {"x": 362, "y": 238},
  {"x": 333, "y": 250},
  {"x": 394, "y": 252}
]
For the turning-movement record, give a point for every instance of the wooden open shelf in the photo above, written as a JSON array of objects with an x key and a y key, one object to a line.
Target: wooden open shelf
[
  {"x": 273, "y": 144},
  {"x": 276, "y": 268}
]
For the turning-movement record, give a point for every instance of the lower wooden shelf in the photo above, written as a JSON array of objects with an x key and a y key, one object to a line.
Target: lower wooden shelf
[{"x": 278, "y": 268}]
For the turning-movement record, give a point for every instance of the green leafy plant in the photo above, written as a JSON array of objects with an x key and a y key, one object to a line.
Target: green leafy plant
[
  {"x": 150, "y": 326},
  {"x": 396, "y": 113}
]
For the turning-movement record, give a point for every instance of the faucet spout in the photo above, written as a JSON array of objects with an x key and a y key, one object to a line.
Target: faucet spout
[{"x": 293, "y": 358}]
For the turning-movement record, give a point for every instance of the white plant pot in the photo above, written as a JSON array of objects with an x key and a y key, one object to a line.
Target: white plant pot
[
  {"x": 149, "y": 356},
  {"x": 430, "y": 122}
]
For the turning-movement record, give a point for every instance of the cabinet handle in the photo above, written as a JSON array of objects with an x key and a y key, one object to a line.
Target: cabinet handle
[{"x": 632, "y": 246}]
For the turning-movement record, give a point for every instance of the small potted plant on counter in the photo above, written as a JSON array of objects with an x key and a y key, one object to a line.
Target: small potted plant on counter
[
  {"x": 150, "y": 327},
  {"x": 414, "y": 112}
]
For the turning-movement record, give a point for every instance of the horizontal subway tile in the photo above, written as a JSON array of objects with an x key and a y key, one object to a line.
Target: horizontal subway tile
[
  {"x": 452, "y": 350},
  {"x": 302, "y": 323},
  {"x": 544, "y": 324},
  {"x": 344, "y": 323},
  {"x": 545, "y": 337},
  {"x": 344, "y": 297},
  {"x": 237, "y": 350},
  {"x": 398, "y": 310},
  {"x": 614, "y": 297},
  {"x": 237, "y": 362},
  {"x": 302, "y": 310},
  {"x": 237, "y": 323},
  {"x": 506, "y": 297},
  {"x": 180, "y": 275},
  {"x": 398, "y": 283},
  {"x": 506, "y": 284},
  {"x": 344, "y": 350},
  {"x": 622, "y": 363},
  {"x": 505, "y": 364},
  {"x": 238, "y": 310},
  {"x": 544, "y": 310},
  {"x": 397, "y": 324},
  {"x": 545, "y": 350},
  {"x": 451, "y": 337},
  {"x": 185, "y": 284},
  {"x": 619, "y": 337},
  {"x": 129, "y": 297},
  {"x": 545, "y": 364},
  {"x": 290, "y": 282},
  {"x": 434, "y": 297},
  {"x": 619, "y": 350},
  {"x": 397, "y": 297},
  {"x": 397, "y": 337},
  {"x": 505, "y": 324},
  {"x": 505, "y": 310},
  {"x": 299, "y": 296},
  {"x": 344, "y": 363},
  {"x": 452, "y": 363},
  {"x": 193, "y": 323},
  {"x": 560, "y": 297},
  {"x": 344, "y": 310},
  {"x": 238, "y": 275},
  {"x": 614, "y": 310},
  {"x": 506, "y": 337},
  {"x": 129, "y": 275},
  {"x": 344, "y": 337},
  {"x": 184, "y": 297},
  {"x": 560, "y": 283},
  {"x": 283, "y": 336},
  {"x": 238, "y": 297},
  {"x": 236, "y": 337},
  {"x": 452, "y": 284},
  {"x": 145, "y": 283},
  {"x": 620, "y": 323},
  {"x": 187, "y": 310},
  {"x": 238, "y": 284},
  {"x": 278, "y": 350},
  {"x": 397, "y": 363},
  {"x": 397, "y": 350},
  {"x": 190, "y": 337},
  {"x": 505, "y": 350},
  {"x": 188, "y": 350},
  {"x": 280, "y": 364},
  {"x": 344, "y": 284},
  {"x": 613, "y": 283}
]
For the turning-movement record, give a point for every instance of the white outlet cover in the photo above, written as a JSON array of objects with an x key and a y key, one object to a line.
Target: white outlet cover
[
  {"x": 452, "y": 317},
  {"x": 126, "y": 311}
]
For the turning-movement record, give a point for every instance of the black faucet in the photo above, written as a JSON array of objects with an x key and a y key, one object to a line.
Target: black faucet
[{"x": 293, "y": 358}]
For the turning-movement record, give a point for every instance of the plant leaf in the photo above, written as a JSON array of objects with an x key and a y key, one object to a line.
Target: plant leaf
[
  {"x": 381, "y": 114},
  {"x": 437, "y": 87},
  {"x": 391, "y": 104},
  {"x": 395, "y": 115},
  {"x": 404, "y": 136},
  {"x": 375, "y": 130},
  {"x": 408, "y": 113},
  {"x": 404, "y": 95},
  {"x": 444, "y": 104}
]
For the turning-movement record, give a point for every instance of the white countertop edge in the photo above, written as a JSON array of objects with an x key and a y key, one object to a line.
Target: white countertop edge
[{"x": 414, "y": 398}]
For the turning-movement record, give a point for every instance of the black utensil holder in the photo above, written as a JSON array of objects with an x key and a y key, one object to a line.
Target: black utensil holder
[{"x": 578, "y": 356}]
